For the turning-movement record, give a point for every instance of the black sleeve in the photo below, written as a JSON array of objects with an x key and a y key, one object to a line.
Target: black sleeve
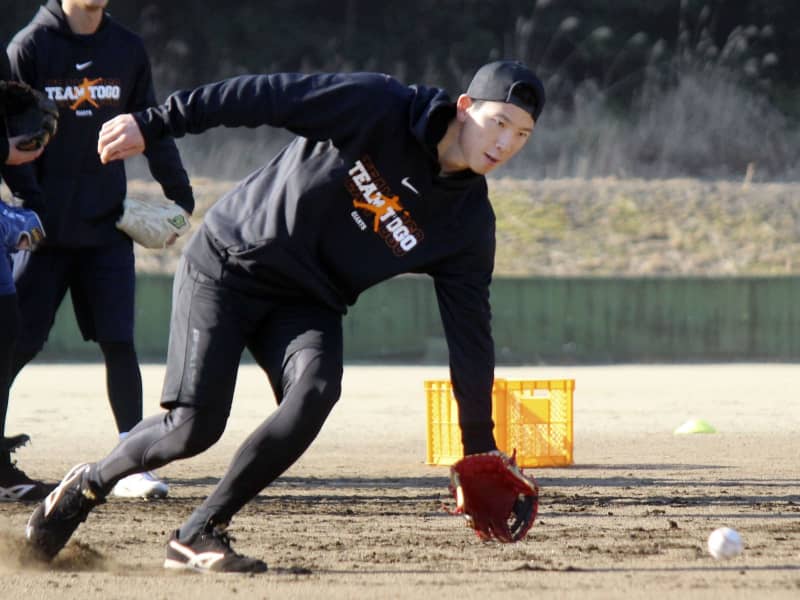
[
  {"x": 163, "y": 158},
  {"x": 323, "y": 106},
  {"x": 462, "y": 290}
]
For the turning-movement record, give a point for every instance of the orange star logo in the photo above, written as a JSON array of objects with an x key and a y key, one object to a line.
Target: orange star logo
[
  {"x": 86, "y": 93},
  {"x": 389, "y": 202}
]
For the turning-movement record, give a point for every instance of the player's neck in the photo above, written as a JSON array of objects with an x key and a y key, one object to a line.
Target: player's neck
[
  {"x": 81, "y": 21},
  {"x": 451, "y": 158}
]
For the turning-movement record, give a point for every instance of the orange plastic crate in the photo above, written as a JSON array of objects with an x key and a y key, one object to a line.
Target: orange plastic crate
[{"x": 533, "y": 417}]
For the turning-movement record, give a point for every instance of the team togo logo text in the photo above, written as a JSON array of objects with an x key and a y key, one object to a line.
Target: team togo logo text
[
  {"x": 83, "y": 95},
  {"x": 371, "y": 195}
]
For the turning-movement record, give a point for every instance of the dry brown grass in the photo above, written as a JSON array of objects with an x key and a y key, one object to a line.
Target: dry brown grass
[{"x": 613, "y": 226}]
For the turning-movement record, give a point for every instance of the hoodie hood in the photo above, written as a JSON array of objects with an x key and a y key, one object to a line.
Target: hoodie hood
[
  {"x": 52, "y": 17},
  {"x": 431, "y": 112}
]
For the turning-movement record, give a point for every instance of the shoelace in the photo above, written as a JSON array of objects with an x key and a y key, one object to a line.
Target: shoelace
[{"x": 219, "y": 533}]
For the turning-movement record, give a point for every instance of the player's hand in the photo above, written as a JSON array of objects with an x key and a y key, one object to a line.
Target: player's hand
[
  {"x": 119, "y": 138},
  {"x": 19, "y": 157}
]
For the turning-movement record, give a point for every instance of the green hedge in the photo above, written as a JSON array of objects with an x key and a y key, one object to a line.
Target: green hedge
[{"x": 536, "y": 320}]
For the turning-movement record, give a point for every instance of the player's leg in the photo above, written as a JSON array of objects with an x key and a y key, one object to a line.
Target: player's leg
[
  {"x": 198, "y": 390},
  {"x": 9, "y": 330},
  {"x": 123, "y": 383},
  {"x": 103, "y": 295},
  {"x": 103, "y": 299},
  {"x": 206, "y": 342},
  {"x": 300, "y": 348},
  {"x": 15, "y": 485},
  {"x": 41, "y": 279},
  {"x": 207, "y": 337}
]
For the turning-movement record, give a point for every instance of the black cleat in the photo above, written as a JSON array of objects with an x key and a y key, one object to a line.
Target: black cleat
[
  {"x": 209, "y": 552},
  {"x": 15, "y": 485},
  {"x": 56, "y": 519},
  {"x": 9, "y": 444}
]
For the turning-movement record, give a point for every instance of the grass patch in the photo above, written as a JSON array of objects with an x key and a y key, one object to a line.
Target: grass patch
[{"x": 609, "y": 226}]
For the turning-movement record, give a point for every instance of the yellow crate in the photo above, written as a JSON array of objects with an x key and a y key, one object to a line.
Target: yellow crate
[{"x": 533, "y": 417}]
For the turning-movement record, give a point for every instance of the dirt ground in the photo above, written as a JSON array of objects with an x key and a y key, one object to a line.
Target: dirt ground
[{"x": 360, "y": 515}]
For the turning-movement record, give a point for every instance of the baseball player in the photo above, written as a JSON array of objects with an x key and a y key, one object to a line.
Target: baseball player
[
  {"x": 382, "y": 179},
  {"x": 17, "y": 229},
  {"x": 94, "y": 69}
]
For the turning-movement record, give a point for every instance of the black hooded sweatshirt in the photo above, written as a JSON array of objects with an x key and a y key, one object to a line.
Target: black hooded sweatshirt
[
  {"x": 5, "y": 75},
  {"x": 92, "y": 78},
  {"x": 355, "y": 199}
]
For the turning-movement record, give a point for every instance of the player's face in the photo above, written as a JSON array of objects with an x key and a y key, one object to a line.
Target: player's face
[
  {"x": 87, "y": 5},
  {"x": 492, "y": 133}
]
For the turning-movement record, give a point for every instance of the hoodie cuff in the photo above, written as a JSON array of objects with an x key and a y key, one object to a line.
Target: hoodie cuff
[
  {"x": 152, "y": 128},
  {"x": 478, "y": 438},
  {"x": 182, "y": 195}
]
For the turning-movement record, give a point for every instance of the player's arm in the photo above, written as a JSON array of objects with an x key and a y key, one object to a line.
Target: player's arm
[
  {"x": 463, "y": 296},
  {"x": 22, "y": 179},
  {"x": 163, "y": 158},
  {"x": 471, "y": 356},
  {"x": 322, "y": 106},
  {"x": 497, "y": 499}
]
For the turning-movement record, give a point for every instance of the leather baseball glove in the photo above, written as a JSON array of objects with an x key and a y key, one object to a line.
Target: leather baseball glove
[
  {"x": 28, "y": 113},
  {"x": 153, "y": 223},
  {"x": 498, "y": 500}
]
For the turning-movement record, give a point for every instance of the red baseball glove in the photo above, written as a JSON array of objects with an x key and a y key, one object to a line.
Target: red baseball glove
[{"x": 496, "y": 497}]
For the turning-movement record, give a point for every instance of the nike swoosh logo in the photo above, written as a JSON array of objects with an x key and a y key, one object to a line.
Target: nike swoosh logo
[
  {"x": 407, "y": 183},
  {"x": 82, "y": 66}
]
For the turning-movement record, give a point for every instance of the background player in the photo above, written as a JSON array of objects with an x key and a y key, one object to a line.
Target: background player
[
  {"x": 94, "y": 69},
  {"x": 14, "y": 483}
]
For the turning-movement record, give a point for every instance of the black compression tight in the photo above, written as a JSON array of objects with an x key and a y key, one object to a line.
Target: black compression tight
[
  {"x": 124, "y": 383},
  {"x": 272, "y": 448},
  {"x": 158, "y": 440}
]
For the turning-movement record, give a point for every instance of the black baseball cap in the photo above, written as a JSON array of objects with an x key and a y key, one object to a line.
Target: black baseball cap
[{"x": 508, "y": 81}]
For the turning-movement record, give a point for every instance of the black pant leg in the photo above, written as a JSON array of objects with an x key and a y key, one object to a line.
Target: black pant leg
[
  {"x": 123, "y": 383},
  {"x": 9, "y": 330},
  {"x": 208, "y": 329},
  {"x": 300, "y": 348}
]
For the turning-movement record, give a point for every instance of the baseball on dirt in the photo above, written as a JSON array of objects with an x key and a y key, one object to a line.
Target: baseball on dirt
[{"x": 724, "y": 543}]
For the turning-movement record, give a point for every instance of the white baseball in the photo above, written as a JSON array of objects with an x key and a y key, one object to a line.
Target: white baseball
[{"x": 724, "y": 543}]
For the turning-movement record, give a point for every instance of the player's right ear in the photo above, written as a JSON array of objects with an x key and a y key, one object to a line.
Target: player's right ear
[{"x": 462, "y": 105}]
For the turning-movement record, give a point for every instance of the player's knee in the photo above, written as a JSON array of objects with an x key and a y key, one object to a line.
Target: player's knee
[
  {"x": 319, "y": 377},
  {"x": 191, "y": 430}
]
